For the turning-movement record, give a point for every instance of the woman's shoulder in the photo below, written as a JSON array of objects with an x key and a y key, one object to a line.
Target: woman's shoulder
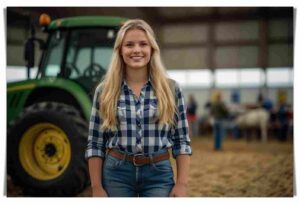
[
  {"x": 173, "y": 83},
  {"x": 175, "y": 88},
  {"x": 98, "y": 89}
]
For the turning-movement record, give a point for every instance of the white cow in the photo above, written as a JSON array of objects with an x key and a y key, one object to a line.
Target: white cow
[{"x": 256, "y": 118}]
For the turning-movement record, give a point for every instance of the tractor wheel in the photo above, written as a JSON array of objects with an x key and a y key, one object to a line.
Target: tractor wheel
[{"x": 46, "y": 146}]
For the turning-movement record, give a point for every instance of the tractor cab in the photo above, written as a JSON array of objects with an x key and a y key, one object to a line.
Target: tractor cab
[
  {"x": 78, "y": 54},
  {"x": 78, "y": 49}
]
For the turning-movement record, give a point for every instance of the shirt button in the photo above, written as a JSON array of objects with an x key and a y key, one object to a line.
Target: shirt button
[{"x": 138, "y": 123}]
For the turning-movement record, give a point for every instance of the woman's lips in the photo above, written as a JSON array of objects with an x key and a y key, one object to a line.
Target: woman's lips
[{"x": 136, "y": 57}]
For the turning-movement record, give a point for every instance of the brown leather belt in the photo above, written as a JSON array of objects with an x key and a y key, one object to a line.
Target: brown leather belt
[{"x": 138, "y": 159}]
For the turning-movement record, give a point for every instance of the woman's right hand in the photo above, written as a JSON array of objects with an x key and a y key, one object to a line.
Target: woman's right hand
[{"x": 99, "y": 192}]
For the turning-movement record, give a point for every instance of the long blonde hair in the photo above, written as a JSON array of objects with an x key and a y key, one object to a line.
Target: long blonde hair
[{"x": 110, "y": 86}]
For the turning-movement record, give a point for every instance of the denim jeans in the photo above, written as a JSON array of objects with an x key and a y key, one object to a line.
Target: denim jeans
[
  {"x": 121, "y": 178},
  {"x": 218, "y": 134}
]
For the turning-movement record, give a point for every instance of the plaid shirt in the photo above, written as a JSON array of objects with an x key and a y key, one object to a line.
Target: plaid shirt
[{"x": 138, "y": 130}]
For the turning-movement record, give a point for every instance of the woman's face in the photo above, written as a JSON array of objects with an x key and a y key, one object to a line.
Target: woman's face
[{"x": 136, "y": 49}]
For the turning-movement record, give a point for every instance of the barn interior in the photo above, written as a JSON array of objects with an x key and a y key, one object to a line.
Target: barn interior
[{"x": 243, "y": 54}]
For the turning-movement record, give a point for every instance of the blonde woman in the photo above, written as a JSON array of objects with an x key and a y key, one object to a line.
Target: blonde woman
[{"x": 136, "y": 117}]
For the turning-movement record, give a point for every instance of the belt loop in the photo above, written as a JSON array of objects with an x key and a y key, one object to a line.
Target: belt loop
[
  {"x": 107, "y": 151},
  {"x": 124, "y": 158},
  {"x": 151, "y": 158}
]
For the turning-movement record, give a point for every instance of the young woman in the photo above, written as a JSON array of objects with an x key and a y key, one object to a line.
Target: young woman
[{"x": 137, "y": 115}]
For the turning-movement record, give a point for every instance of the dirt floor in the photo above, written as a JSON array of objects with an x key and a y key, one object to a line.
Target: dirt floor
[{"x": 240, "y": 169}]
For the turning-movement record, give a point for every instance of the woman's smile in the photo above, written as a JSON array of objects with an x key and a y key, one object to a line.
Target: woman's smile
[{"x": 136, "y": 58}]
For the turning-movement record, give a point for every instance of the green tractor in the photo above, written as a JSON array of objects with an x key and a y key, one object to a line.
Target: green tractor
[{"x": 47, "y": 117}]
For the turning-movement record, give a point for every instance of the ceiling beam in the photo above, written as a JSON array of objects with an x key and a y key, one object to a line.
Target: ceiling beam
[
  {"x": 227, "y": 43},
  {"x": 152, "y": 14},
  {"x": 260, "y": 13}
]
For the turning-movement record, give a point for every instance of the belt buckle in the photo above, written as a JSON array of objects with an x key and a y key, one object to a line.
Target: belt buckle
[{"x": 134, "y": 159}]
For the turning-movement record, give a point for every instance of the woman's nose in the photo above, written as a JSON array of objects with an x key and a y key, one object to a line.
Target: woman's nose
[{"x": 137, "y": 48}]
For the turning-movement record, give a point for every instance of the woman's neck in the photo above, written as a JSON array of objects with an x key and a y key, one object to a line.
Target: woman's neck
[{"x": 136, "y": 76}]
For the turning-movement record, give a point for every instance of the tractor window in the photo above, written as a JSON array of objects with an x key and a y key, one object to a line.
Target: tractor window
[
  {"x": 103, "y": 56},
  {"x": 53, "y": 58},
  {"x": 82, "y": 61},
  {"x": 89, "y": 52}
]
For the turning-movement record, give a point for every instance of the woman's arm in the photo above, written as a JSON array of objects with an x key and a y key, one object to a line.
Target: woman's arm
[
  {"x": 95, "y": 169},
  {"x": 181, "y": 149},
  {"x": 95, "y": 151},
  {"x": 182, "y": 164}
]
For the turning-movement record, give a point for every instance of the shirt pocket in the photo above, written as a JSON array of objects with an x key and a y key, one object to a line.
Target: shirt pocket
[
  {"x": 121, "y": 111},
  {"x": 151, "y": 111}
]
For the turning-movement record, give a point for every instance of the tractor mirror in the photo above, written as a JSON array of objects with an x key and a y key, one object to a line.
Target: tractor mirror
[{"x": 29, "y": 52}]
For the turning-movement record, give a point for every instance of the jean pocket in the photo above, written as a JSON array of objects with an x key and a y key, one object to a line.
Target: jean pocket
[
  {"x": 112, "y": 163},
  {"x": 163, "y": 166}
]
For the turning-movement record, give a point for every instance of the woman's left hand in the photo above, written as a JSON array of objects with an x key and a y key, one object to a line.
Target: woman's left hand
[{"x": 179, "y": 190}]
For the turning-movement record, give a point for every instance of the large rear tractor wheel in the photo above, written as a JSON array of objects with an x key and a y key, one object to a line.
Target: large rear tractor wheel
[{"x": 46, "y": 146}]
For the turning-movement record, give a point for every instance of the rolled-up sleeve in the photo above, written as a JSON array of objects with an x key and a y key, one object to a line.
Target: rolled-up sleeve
[
  {"x": 96, "y": 140},
  {"x": 180, "y": 133}
]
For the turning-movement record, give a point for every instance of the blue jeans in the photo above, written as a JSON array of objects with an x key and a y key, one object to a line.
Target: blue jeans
[
  {"x": 218, "y": 134},
  {"x": 121, "y": 178}
]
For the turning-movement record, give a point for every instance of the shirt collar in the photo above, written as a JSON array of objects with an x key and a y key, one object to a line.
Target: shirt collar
[{"x": 124, "y": 84}]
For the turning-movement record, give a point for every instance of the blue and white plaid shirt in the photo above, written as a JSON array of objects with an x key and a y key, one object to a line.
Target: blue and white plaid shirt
[{"x": 138, "y": 128}]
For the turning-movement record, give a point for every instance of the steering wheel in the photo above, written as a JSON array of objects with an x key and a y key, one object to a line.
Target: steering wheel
[
  {"x": 72, "y": 67},
  {"x": 94, "y": 69}
]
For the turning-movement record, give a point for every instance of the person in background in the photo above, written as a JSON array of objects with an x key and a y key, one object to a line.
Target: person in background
[
  {"x": 219, "y": 113},
  {"x": 283, "y": 120},
  {"x": 282, "y": 116},
  {"x": 192, "y": 116}
]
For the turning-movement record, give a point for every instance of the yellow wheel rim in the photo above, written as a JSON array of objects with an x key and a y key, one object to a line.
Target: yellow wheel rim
[{"x": 45, "y": 151}]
